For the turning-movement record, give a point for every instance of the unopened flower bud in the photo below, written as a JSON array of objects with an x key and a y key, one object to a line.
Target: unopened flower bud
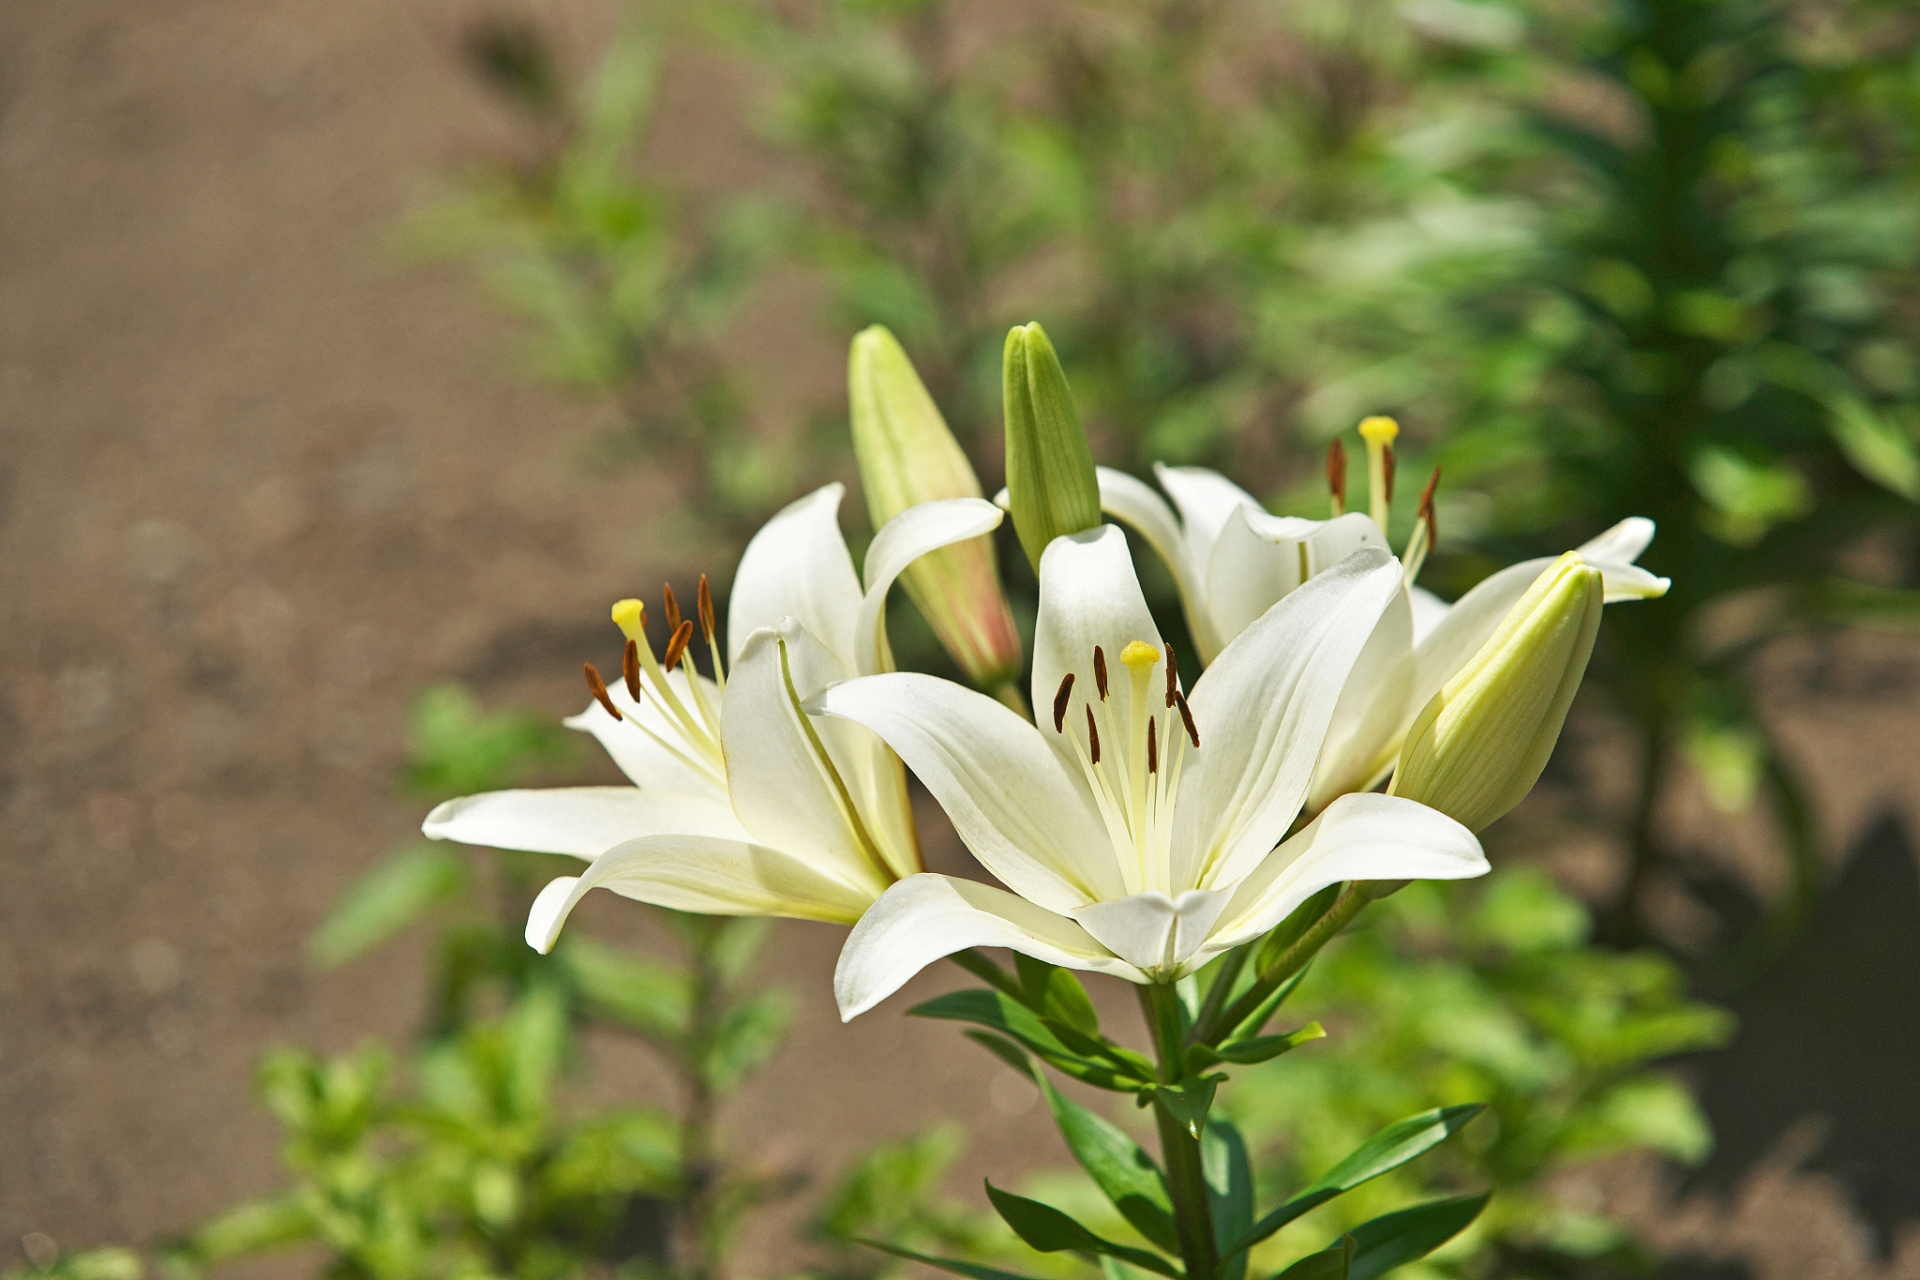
[
  {"x": 1051, "y": 489},
  {"x": 1477, "y": 749},
  {"x": 908, "y": 456}
]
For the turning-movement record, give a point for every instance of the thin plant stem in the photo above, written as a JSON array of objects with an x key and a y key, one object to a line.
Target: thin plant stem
[
  {"x": 1352, "y": 900},
  {"x": 1179, "y": 1149}
]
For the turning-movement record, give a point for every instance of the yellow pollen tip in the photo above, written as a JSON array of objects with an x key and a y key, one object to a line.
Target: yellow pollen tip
[
  {"x": 1138, "y": 655},
  {"x": 1379, "y": 430},
  {"x": 631, "y": 617}
]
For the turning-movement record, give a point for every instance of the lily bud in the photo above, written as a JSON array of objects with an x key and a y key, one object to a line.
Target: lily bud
[
  {"x": 1477, "y": 749},
  {"x": 908, "y": 456},
  {"x": 1051, "y": 489}
]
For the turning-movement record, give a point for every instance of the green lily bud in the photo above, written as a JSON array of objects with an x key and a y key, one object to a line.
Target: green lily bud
[
  {"x": 908, "y": 456},
  {"x": 1477, "y": 749},
  {"x": 1051, "y": 489}
]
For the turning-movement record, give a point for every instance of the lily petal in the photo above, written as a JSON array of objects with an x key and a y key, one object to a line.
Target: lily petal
[
  {"x": 925, "y": 917},
  {"x": 651, "y": 766},
  {"x": 1136, "y": 504},
  {"x": 1258, "y": 558},
  {"x": 798, "y": 566},
  {"x": 1205, "y": 499},
  {"x": 1152, "y": 930},
  {"x": 1009, "y": 796},
  {"x": 1624, "y": 543},
  {"x": 1359, "y": 837},
  {"x": 703, "y": 874},
  {"x": 1263, "y": 709},
  {"x": 919, "y": 529},
  {"x": 582, "y": 821},
  {"x": 1373, "y": 707},
  {"x": 781, "y": 792},
  {"x": 1088, "y": 596}
]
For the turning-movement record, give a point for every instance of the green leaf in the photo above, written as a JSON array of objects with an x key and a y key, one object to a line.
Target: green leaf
[
  {"x": 651, "y": 998},
  {"x": 1398, "y": 1238},
  {"x": 386, "y": 900},
  {"x": 536, "y": 1035},
  {"x": 1270, "y": 1006},
  {"x": 1118, "y": 1166},
  {"x": 1875, "y": 445},
  {"x": 1056, "y": 994},
  {"x": 1868, "y": 604},
  {"x": 1295, "y": 926},
  {"x": 1047, "y": 1229},
  {"x": 972, "y": 1270},
  {"x": 1252, "y": 1049},
  {"x": 1004, "y": 1049},
  {"x": 1229, "y": 1176},
  {"x": 747, "y": 1035},
  {"x": 458, "y": 748},
  {"x": 1387, "y": 1150},
  {"x": 890, "y": 1183},
  {"x": 1188, "y": 1101},
  {"x": 1095, "y": 1062},
  {"x": 1335, "y": 1262}
]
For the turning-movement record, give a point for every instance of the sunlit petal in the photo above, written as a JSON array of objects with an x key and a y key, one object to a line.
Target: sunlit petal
[
  {"x": 1136, "y": 504},
  {"x": 582, "y": 821},
  {"x": 926, "y": 917},
  {"x": 798, "y": 566},
  {"x": 902, "y": 540},
  {"x": 1263, "y": 709},
  {"x": 703, "y": 874},
  {"x": 1009, "y": 797},
  {"x": 1154, "y": 930},
  {"x": 1359, "y": 837}
]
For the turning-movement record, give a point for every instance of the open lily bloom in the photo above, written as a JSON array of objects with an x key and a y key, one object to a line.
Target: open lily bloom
[
  {"x": 1137, "y": 828},
  {"x": 1231, "y": 561},
  {"x": 740, "y": 803}
]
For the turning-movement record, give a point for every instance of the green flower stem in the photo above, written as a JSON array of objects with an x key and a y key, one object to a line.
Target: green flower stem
[
  {"x": 1180, "y": 1150},
  {"x": 1348, "y": 905}
]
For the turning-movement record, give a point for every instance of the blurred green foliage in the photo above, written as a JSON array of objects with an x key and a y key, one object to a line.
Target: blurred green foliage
[{"x": 1487, "y": 992}]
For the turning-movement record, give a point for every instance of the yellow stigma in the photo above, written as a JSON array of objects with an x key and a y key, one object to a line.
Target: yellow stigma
[
  {"x": 631, "y": 617},
  {"x": 1379, "y": 430},
  {"x": 1139, "y": 655}
]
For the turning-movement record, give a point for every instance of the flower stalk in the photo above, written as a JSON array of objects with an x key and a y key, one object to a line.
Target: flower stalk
[{"x": 1179, "y": 1147}]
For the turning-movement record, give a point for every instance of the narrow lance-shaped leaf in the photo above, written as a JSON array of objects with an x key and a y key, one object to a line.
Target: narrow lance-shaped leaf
[
  {"x": 386, "y": 900},
  {"x": 1387, "y": 1150},
  {"x": 972, "y": 1270},
  {"x": 1056, "y": 994},
  {"x": 1251, "y": 1050},
  {"x": 1047, "y": 1229},
  {"x": 1399, "y": 1238},
  {"x": 1095, "y": 1062},
  {"x": 1335, "y": 1262},
  {"x": 1229, "y": 1177},
  {"x": 1187, "y": 1101},
  {"x": 1118, "y": 1166}
]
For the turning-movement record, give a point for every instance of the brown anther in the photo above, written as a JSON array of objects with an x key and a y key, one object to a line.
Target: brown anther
[
  {"x": 677, "y": 646},
  {"x": 630, "y": 668},
  {"x": 1426, "y": 508},
  {"x": 706, "y": 608},
  {"x": 1100, "y": 671},
  {"x": 1153, "y": 746},
  {"x": 1173, "y": 676},
  {"x": 599, "y": 690},
  {"x": 1186, "y": 718},
  {"x": 1337, "y": 472},
  {"x": 1060, "y": 701},
  {"x": 673, "y": 607},
  {"x": 1093, "y": 737},
  {"x": 1388, "y": 451}
]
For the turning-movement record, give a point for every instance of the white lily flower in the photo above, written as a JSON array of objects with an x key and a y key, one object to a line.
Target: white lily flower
[
  {"x": 1137, "y": 828},
  {"x": 741, "y": 804},
  {"x": 1231, "y": 561}
]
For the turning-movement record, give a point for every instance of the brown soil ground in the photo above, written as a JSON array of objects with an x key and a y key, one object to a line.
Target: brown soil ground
[{"x": 259, "y": 484}]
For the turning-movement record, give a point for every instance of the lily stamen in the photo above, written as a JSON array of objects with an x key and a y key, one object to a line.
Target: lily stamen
[
  {"x": 704, "y": 600},
  {"x": 630, "y": 668},
  {"x": 598, "y": 688},
  {"x": 673, "y": 610},
  {"x": 1186, "y": 719},
  {"x": 1060, "y": 701},
  {"x": 677, "y": 646},
  {"x": 1337, "y": 475},
  {"x": 1425, "y": 531},
  {"x": 701, "y": 736},
  {"x": 1100, "y": 671},
  {"x": 1379, "y": 433}
]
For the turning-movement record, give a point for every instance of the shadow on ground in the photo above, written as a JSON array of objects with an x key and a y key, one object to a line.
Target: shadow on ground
[{"x": 1824, "y": 1067}]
